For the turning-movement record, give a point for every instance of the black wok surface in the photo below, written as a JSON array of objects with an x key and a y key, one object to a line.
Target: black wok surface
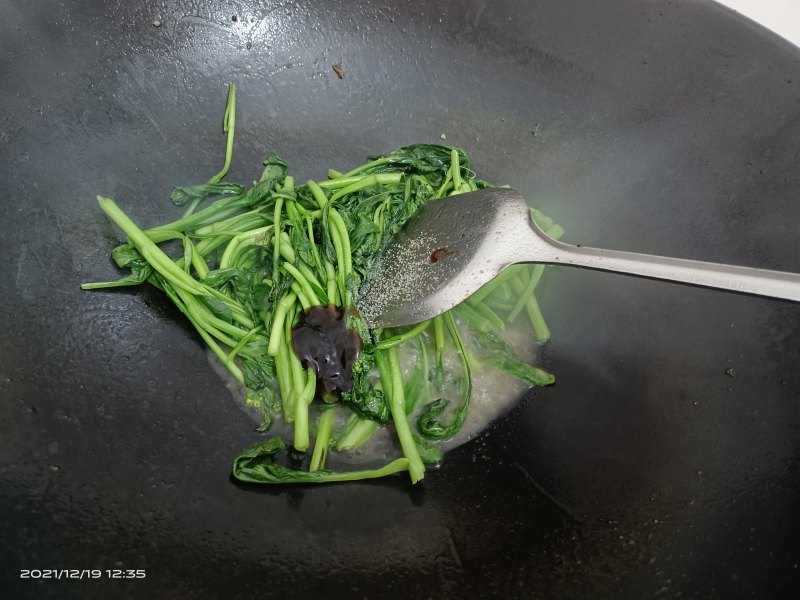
[{"x": 668, "y": 128}]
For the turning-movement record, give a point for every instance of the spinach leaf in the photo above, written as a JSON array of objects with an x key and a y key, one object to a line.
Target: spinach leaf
[
  {"x": 183, "y": 194},
  {"x": 275, "y": 169},
  {"x": 428, "y": 424},
  {"x": 364, "y": 399},
  {"x": 259, "y": 372},
  {"x": 524, "y": 371},
  {"x": 501, "y": 356},
  {"x": 257, "y": 464},
  {"x": 218, "y": 308}
]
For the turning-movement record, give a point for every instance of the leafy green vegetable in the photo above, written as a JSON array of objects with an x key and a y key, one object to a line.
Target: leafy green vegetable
[
  {"x": 428, "y": 424},
  {"x": 428, "y": 452},
  {"x": 257, "y": 464},
  {"x": 259, "y": 372},
  {"x": 254, "y": 258},
  {"x": 356, "y": 431},
  {"x": 181, "y": 195},
  {"x": 524, "y": 371},
  {"x": 364, "y": 399}
]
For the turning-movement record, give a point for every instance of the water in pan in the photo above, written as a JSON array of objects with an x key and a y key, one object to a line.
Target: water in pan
[{"x": 494, "y": 394}]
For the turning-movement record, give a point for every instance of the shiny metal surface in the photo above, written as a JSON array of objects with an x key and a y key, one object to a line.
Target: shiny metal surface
[{"x": 477, "y": 235}]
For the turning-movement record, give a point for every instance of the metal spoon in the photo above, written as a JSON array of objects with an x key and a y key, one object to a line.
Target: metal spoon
[{"x": 454, "y": 245}]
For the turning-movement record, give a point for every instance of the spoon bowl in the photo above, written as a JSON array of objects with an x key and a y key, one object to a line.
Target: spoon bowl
[{"x": 452, "y": 246}]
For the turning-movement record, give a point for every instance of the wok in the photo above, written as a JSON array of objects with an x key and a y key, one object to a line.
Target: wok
[{"x": 647, "y": 471}]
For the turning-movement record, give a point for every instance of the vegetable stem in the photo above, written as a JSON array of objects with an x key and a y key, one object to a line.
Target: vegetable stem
[
  {"x": 357, "y": 431},
  {"x": 403, "y": 337},
  {"x": 535, "y": 276},
  {"x": 304, "y": 397},
  {"x": 276, "y": 252},
  {"x": 303, "y": 283},
  {"x": 320, "y": 453},
  {"x": 151, "y": 253},
  {"x": 416, "y": 468},
  {"x": 455, "y": 169},
  {"x": 228, "y": 126},
  {"x": 540, "y": 329},
  {"x": 276, "y": 332}
]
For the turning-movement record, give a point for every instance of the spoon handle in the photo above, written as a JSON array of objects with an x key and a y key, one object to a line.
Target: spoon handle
[{"x": 762, "y": 282}]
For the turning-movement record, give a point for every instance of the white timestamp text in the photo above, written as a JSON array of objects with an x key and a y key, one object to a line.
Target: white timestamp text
[{"x": 82, "y": 574}]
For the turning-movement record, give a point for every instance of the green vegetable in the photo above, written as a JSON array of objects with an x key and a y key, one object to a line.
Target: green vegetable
[
  {"x": 257, "y": 464},
  {"x": 254, "y": 258},
  {"x": 322, "y": 442},
  {"x": 357, "y": 431},
  {"x": 428, "y": 425}
]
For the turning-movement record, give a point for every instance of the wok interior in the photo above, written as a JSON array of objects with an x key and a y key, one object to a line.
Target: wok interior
[{"x": 662, "y": 129}]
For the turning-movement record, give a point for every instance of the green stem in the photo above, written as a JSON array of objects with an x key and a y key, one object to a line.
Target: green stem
[
  {"x": 276, "y": 252},
  {"x": 206, "y": 318},
  {"x": 342, "y": 182},
  {"x": 540, "y": 328},
  {"x": 396, "y": 466},
  {"x": 126, "y": 281},
  {"x": 191, "y": 208},
  {"x": 442, "y": 190},
  {"x": 298, "y": 377},
  {"x": 320, "y": 453},
  {"x": 494, "y": 284},
  {"x": 291, "y": 210},
  {"x": 218, "y": 352},
  {"x": 455, "y": 169},
  {"x": 286, "y": 248},
  {"x": 284, "y": 382},
  {"x": 357, "y": 431},
  {"x": 416, "y": 468},
  {"x": 366, "y": 166},
  {"x": 276, "y": 332},
  {"x": 346, "y": 261},
  {"x": 303, "y": 399},
  {"x": 303, "y": 283},
  {"x": 360, "y": 184},
  {"x": 535, "y": 276},
  {"x": 405, "y": 336},
  {"x": 198, "y": 262},
  {"x": 339, "y": 251},
  {"x": 228, "y": 126},
  {"x": 301, "y": 296},
  {"x": 339, "y": 238},
  {"x": 316, "y": 191},
  {"x": 427, "y": 423},
  {"x": 308, "y": 273},
  {"x": 221, "y": 210},
  {"x": 242, "y": 222},
  {"x": 488, "y": 314},
  {"x": 239, "y": 241},
  {"x": 314, "y": 249},
  {"x": 476, "y": 320},
  {"x": 242, "y": 343},
  {"x": 149, "y": 251},
  {"x": 332, "y": 289},
  {"x": 438, "y": 332}
]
